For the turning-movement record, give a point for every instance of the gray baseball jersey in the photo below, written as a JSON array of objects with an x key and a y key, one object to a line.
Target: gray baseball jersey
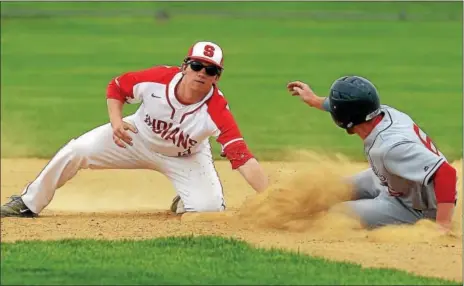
[{"x": 404, "y": 158}]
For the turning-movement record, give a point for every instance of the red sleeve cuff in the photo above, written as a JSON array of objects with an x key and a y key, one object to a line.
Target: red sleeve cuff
[
  {"x": 445, "y": 184},
  {"x": 237, "y": 153}
]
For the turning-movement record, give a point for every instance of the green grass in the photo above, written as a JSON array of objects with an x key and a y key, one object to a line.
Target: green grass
[
  {"x": 181, "y": 261},
  {"x": 413, "y": 8},
  {"x": 55, "y": 69}
]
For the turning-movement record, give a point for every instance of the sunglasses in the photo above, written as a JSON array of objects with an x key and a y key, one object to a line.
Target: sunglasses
[{"x": 210, "y": 70}]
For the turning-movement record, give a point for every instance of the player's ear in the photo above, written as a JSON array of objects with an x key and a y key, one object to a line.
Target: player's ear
[
  {"x": 184, "y": 66},
  {"x": 217, "y": 78}
]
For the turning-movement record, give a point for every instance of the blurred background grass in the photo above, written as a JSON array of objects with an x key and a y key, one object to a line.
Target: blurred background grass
[{"x": 57, "y": 59}]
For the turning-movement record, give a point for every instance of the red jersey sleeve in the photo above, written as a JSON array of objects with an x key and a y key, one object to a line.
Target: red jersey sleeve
[
  {"x": 234, "y": 147},
  {"x": 445, "y": 180},
  {"x": 122, "y": 87}
]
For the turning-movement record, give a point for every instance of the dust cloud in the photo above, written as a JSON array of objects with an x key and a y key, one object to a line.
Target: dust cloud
[{"x": 307, "y": 199}]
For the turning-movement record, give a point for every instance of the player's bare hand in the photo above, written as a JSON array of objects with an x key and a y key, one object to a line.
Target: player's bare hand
[
  {"x": 301, "y": 89},
  {"x": 120, "y": 134},
  {"x": 445, "y": 229}
]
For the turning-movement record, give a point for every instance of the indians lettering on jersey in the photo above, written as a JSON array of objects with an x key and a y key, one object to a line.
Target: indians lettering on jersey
[{"x": 168, "y": 132}]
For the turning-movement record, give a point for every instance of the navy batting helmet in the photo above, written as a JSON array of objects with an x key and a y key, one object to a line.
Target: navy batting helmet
[{"x": 353, "y": 100}]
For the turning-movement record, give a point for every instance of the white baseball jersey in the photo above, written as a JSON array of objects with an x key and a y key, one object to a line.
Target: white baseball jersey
[
  {"x": 404, "y": 159},
  {"x": 170, "y": 127}
]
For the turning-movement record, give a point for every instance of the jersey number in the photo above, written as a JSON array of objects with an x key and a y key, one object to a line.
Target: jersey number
[
  {"x": 426, "y": 140},
  {"x": 185, "y": 153},
  {"x": 209, "y": 51}
]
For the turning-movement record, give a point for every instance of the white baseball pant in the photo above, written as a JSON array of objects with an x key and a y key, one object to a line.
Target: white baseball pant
[{"x": 194, "y": 177}]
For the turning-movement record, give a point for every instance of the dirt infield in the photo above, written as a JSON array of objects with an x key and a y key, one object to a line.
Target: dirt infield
[{"x": 133, "y": 204}]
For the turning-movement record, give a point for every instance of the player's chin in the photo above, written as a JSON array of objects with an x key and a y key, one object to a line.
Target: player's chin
[{"x": 350, "y": 131}]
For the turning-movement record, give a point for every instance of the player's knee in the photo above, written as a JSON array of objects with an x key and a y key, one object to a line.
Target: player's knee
[
  {"x": 344, "y": 208},
  {"x": 214, "y": 204},
  {"x": 355, "y": 210},
  {"x": 80, "y": 150}
]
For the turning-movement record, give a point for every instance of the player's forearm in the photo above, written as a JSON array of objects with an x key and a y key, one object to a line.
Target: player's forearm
[
  {"x": 318, "y": 102},
  {"x": 254, "y": 175},
  {"x": 115, "y": 110},
  {"x": 445, "y": 214}
]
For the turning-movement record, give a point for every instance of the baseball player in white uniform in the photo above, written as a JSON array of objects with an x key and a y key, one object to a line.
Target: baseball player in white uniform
[
  {"x": 409, "y": 178},
  {"x": 181, "y": 108}
]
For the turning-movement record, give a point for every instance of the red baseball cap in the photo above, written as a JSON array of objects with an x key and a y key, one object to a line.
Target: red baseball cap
[{"x": 208, "y": 52}]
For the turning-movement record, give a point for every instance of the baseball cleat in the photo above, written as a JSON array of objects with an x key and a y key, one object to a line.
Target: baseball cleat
[
  {"x": 16, "y": 208},
  {"x": 177, "y": 205}
]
